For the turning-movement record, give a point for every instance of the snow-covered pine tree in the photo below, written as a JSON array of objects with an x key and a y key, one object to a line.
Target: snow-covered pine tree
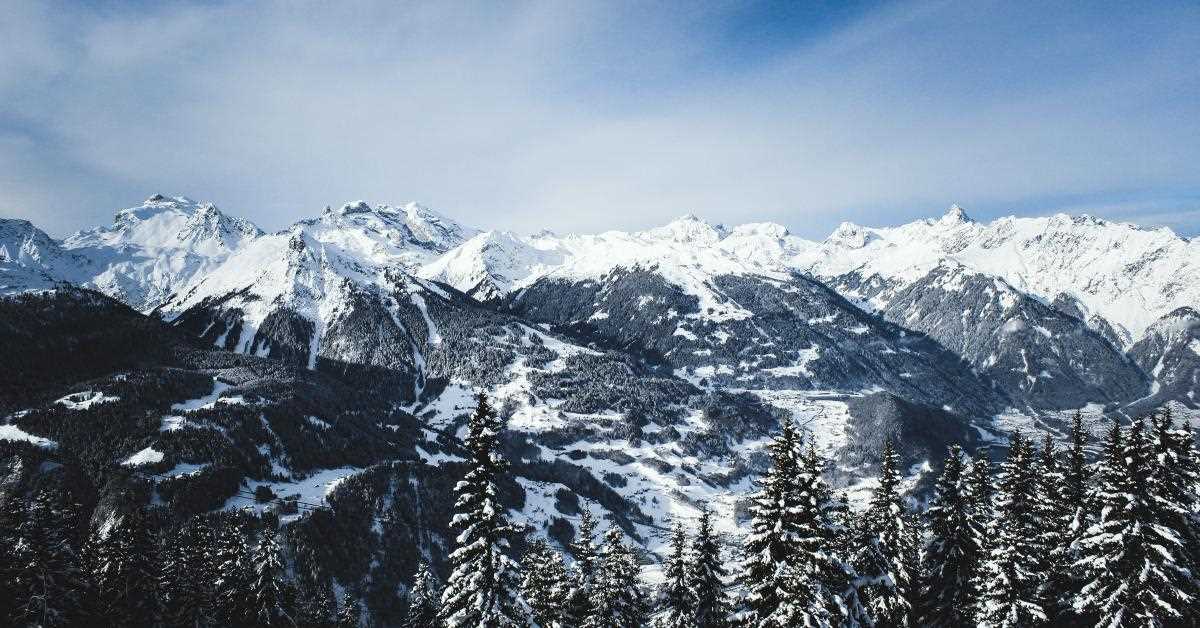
[
  {"x": 676, "y": 604},
  {"x": 1175, "y": 481},
  {"x": 318, "y": 606},
  {"x": 350, "y": 614},
  {"x": 707, "y": 577},
  {"x": 1077, "y": 475},
  {"x": 772, "y": 542},
  {"x": 50, "y": 565},
  {"x": 176, "y": 603},
  {"x": 978, "y": 491},
  {"x": 268, "y": 587},
  {"x": 424, "y": 599},
  {"x": 199, "y": 551},
  {"x": 884, "y": 553},
  {"x": 545, "y": 587},
  {"x": 13, "y": 578},
  {"x": 1130, "y": 557},
  {"x": 583, "y": 575},
  {"x": 125, "y": 575},
  {"x": 1076, "y": 488},
  {"x": 1010, "y": 581},
  {"x": 620, "y": 600},
  {"x": 1056, "y": 515},
  {"x": 484, "y": 585},
  {"x": 952, "y": 555},
  {"x": 232, "y": 558},
  {"x": 824, "y": 548}
]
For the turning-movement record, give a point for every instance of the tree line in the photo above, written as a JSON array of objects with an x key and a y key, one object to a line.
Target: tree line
[{"x": 1045, "y": 538}]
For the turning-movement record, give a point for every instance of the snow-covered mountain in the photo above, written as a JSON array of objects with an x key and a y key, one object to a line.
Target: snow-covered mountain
[
  {"x": 1042, "y": 308},
  {"x": 148, "y": 252},
  {"x": 640, "y": 374},
  {"x": 1122, "y": 273},
  {"x": 1114, "y": 278},
  {"x": 339, "y": 286},
  {"x": 1038, "y": 355},
  {"x": 32, "y": 260},
  {"x": 1170, "y": 352},
  {"x": 157, "y": 247}
]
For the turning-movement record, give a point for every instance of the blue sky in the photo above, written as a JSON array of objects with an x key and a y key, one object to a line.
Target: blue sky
[{"x": 582, "y": 116}]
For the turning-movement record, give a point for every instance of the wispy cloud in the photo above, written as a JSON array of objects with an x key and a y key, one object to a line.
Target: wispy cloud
[{"x": 583, "y": 116}]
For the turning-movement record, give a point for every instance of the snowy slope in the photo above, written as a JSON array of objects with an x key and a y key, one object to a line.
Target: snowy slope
[
  {"x": 1170, "y": 352},
  {"x": 489, "y": 264},
  {"x": 32, "y": 260},
  {"x": 151, "y": 250},
  {"x": 337, "y": 286},
  {"x": 1125, "y": 274}
]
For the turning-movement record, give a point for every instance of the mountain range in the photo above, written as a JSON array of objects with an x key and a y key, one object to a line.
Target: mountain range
[{"x": 640, "y": 373}]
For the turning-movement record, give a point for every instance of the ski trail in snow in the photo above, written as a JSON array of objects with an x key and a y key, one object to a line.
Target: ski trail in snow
[{"x": 435, "y": 338}]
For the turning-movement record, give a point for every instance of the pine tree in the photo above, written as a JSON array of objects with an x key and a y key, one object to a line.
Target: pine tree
[
  {"x": 423, "y": 599},
  {"x": 825, "y": 547},
  {"x": 707, "y": 577},
  {"x": 791, "y": 574},
  {"x": 484, "y": 584},
  {"x": 772, "y": 542},
  {"x": 175, "y": 607},
  {"x": 952, "y": 555},
  {"x": 676, "y": 602},
  {"x": 232, "y": 558},
  {"x": 50, "y": 563},
  {"x": 545, "y": 587},
  {"x": 1010, "y": 582},
  {"x": 885, "y": 551},
  {"x": 350, "y": 614},
  {"x": 583, "y": 549},
  {"x": 1131, "y": 557},
  {"x": 319, "y": 606},
  {"x": 1175, "y": 480},
  {"x": 13, "y": 547},
  {"x": 125, "y": 574},
  {"x": 620, "y": 601},
  {"x": 268, "y": 587},
  {"x": 1056, "y": 515},
  {"x": 1077, "y": 475}
]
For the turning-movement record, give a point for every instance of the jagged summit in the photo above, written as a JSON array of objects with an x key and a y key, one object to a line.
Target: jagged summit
[
  {"x": 689, "y": 228},
  {"x": 955, "y": 215}
]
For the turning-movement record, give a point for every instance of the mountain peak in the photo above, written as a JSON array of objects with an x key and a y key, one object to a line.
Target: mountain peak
[
  {"x": 689, "y": 228},
  {"x": 956, "y": 215},
  {"x": 849, "y": 235}
]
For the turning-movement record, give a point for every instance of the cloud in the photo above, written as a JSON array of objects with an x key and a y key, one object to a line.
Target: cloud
[{"x": 582, "y": 116}]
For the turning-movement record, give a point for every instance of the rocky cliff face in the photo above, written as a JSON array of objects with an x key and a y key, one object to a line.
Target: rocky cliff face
[
  {"x": 1170, "y": 352},
  {"x": 1037, "y": 355}
]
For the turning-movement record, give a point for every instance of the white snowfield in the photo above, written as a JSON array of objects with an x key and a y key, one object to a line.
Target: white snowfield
[
  {"x": 1126, "y": 274},
  {"x": 314, "y": 266},
  {"x": 14, "y": 433},
  {"x": 148, "y": 252},
  {"x": 86, "y": 399}
]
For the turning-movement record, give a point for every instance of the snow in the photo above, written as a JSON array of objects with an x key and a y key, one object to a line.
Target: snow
[
  {"x": 86, "y": 399},
  {"x": 148, "y": 455},
  {"x": 314, "y": 489},
  {"x": 435, "y": 338},
  {"x": 805, "y": 357},
  {"x": 153, "y": 249},
  {"x": 14, "y": 433},
  {"x": 1128, "y": 275}
]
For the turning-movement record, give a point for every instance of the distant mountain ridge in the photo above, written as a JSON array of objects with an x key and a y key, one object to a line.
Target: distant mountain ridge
[{"x": 1043, "y": 308}]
